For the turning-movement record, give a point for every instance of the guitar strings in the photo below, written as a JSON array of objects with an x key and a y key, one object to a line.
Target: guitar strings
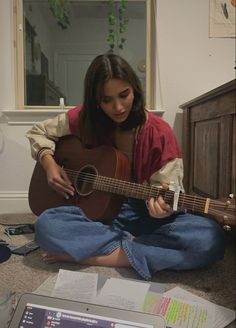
[
  {"x": 143, "y": 190},
  {"x": 91, "y": 178},
  {"x": 119, "y": 184}
]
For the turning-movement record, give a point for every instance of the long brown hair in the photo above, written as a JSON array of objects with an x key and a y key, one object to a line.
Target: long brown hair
[{"x": 94, "y": 124}]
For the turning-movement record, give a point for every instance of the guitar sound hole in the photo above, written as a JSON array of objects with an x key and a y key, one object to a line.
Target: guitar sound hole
[{"x": 85, "y": 180}]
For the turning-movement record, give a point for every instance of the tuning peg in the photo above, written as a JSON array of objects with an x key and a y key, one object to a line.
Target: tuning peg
[{"x": 226, "y": 227}]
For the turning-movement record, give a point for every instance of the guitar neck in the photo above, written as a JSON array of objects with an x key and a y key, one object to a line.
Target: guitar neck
[{"x": 134, "y": 190}]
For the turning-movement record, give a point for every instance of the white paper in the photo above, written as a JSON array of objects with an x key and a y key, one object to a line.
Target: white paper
[
  {"x": 77, "y": 286},
  {"x": 179, "y": 313},
  {"x": 223, "y": 315},
  {"x": 47, "y": 286},
  {"x": 125, "y": 294}
]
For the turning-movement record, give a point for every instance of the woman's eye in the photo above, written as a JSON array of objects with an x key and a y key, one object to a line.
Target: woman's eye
[
  {"x": 106, "y": 100},
  {"x": 124, "y": 94}
]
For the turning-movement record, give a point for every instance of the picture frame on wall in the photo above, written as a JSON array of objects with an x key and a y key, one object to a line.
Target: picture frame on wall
[{"x": 222, "y": 18}]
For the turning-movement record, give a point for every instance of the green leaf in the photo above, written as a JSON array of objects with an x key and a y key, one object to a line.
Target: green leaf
[{"x": 60, "y": 12}]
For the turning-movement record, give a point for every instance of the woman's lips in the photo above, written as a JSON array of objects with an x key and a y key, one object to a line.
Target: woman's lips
[
  {"x": 120, "y": 117},
  {"x": 120, "y": 114}
]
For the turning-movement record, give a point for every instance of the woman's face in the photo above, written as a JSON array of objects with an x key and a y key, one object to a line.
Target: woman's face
[{"x": 117, "y": 100}]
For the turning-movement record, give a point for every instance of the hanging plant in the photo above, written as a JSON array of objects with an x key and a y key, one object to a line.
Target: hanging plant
[
  {"x": 59, "y": 9},
  {"x": 117, "y": 20},
  {"x": 117, "y": 24}
]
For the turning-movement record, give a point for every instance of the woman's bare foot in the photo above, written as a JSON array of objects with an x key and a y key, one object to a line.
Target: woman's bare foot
[
  {"x": 51, "y": 258},
  {"x": 117, "y": 258}
]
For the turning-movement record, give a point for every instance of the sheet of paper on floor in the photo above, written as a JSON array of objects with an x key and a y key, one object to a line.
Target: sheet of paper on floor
[
  {"x": 77, "y": 286},
  {"x": 179, "y": 313},
  {"x": 121, "y": 293},
  {"x": 223, "y": 315},
  {"x": 47, "y": 286}
]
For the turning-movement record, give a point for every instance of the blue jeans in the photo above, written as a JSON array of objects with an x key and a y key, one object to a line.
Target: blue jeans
[{"x": 180, "y": 242}]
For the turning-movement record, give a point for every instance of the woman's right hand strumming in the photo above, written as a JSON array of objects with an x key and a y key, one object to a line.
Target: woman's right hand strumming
[{"x": 57, "y": 177}]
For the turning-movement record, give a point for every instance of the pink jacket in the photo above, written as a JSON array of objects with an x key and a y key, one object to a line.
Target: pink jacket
[{"x": 155, "y": 147}]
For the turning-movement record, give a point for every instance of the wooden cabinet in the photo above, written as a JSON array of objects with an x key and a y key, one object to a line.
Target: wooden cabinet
[
  {"x": 209, "y": 142},
  {"x": 42, "y": 92}
]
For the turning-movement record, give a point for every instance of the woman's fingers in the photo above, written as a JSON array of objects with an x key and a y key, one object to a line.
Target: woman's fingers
[
  {"x": 61, "y": 188},
  {"x": 158, "y": 208},
  {"x": 60, "y": 182}
]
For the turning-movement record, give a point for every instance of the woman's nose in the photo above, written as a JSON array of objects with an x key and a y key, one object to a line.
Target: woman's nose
[{"x": 118, "y": 105}]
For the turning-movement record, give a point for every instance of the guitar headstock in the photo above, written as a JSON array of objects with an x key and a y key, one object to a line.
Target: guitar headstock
[{"x": 224, "y": 211}]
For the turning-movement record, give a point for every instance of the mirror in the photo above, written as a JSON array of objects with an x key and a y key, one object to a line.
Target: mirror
[{"x": 56, "y": 59}]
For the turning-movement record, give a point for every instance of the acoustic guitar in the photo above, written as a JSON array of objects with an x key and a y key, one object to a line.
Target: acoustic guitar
[{"x": 102, "y": 185}]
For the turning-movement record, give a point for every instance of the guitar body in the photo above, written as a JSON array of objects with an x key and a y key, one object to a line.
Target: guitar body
[{"x": 69, "y": 153}]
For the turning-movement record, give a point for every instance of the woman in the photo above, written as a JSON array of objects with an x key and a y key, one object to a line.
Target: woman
[{"x": 148, "y": 236}]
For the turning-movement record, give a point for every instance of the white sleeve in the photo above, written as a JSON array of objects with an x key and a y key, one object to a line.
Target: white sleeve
[
  {"x": 43, "y": 135},
  {"x": 172, "y": 172}
]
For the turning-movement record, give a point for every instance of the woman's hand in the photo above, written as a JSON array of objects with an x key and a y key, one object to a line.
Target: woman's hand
[
  {"x": 158, "y": 208},
  {"x": 57, "y": 177}
]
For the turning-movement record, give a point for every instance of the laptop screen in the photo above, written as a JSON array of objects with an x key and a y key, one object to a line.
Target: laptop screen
[{"x": 49, "y": 317}]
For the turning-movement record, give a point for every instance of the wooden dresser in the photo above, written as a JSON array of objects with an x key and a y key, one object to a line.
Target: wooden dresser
[{"x": 209, "y": 142}]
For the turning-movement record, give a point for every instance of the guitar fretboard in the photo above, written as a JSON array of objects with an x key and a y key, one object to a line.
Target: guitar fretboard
[{"x": 134, "y": 190}]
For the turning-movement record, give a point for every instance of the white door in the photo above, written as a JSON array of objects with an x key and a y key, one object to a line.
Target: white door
[{"x": 70, "y": 70}]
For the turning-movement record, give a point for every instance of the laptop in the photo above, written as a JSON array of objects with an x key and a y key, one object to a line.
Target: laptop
[{"x": 40, "y": 311}]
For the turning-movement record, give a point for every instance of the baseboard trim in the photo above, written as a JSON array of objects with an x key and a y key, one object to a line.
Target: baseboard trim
[{"x": 14, "y": 202}]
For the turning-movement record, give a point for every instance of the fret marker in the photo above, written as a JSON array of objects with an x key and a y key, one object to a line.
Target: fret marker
[{"x": 207, "y": 205}]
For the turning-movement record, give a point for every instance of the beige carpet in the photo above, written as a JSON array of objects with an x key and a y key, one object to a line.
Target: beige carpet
[{"x": 25, "y": 274}]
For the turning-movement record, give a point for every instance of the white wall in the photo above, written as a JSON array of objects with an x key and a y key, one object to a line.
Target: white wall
[{"x": 190, "y": 64}]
